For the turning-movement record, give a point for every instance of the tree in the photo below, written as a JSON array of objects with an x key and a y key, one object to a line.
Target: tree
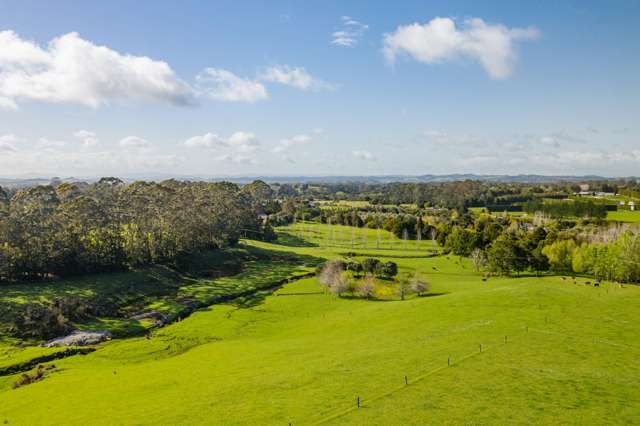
[
  {"x": 504, "y": 255},
  {"x": 462, "y": 241},
  {"x": 341, "y": 284},
  {"x": 560, "y": 254},
  {"x": 403, "y": 287},
  {"x": 479, "y": 259},
  {"x": 330, "y": 272},
  {"x": 73, "y": 229},
  {"x": 366, "y": 286},
  {"x": 419, "y": 286}
]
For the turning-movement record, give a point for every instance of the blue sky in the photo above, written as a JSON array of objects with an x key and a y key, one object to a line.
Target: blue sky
[{"x": 319, "y": 88}]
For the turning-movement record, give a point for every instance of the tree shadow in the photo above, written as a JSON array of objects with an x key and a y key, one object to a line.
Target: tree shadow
[{"x": 290, "y": 240}]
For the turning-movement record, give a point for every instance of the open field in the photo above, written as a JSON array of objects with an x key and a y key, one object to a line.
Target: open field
[
  {"x": 312, "y": 234},
  {"x": 624, "y": 216},
  {"x": 627, "y": 216},
  {"x": 505, "y": 351}
]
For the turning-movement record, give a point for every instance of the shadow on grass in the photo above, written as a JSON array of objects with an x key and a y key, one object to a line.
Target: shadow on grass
[
  {"x": 375, "y": 299},
  {"x": 289, "y": 240}
]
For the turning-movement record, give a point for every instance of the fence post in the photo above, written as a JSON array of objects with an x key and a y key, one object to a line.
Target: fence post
[{"x": 358, "y": 402}]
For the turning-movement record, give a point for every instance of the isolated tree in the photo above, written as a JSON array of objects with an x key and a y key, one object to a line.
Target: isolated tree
[
  {"x": 331, "y": 273},
  {"x": 341, "y": 284},
  {"x": 419, "y": 285},
  {"x": 479, "y": 259},
  {"x": 366, "y": 286},
  {"x": 403, "y": 287}
]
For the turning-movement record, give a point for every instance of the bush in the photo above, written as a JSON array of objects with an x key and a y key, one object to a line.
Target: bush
[
  {"x": 355, "y": 267},
  {"x": 388, "y": 269},
  {"x": 370, "y": 265}
]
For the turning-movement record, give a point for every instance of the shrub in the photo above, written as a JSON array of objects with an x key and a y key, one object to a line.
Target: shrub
[
  {"x": 387, "y": 269},
  {"x": 355, "y": 267},
  {"x": 370, "y": 265}
]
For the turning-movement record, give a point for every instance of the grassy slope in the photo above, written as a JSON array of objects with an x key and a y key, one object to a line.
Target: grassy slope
[
  {"x": 154, "y": 288},
  {"x": 303, "y": 357},
  {"x": 337, "y": 237}
]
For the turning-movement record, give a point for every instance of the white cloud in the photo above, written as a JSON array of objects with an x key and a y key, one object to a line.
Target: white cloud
[
  {"x": 286, "y": 144},
  {"x": 223, "y": 85},
  {"x": 87, "y": 138},
  {"x": 73, "y": 70},
  {"x": 240, "y": 141},
  {"x": 243, "y": 141},
  {"x": 363, "y": 155},
  {"x": 208, "y": 140},
  {"x": 350, "y": 33},
  {"x": 134, "y": 142},
  {"x": 439, "y": 40},
  {"x": 7, "y": 143},
  {"x": 296, "y": 77}
]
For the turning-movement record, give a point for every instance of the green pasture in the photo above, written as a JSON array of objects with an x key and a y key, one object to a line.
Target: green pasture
[
  {"x": 336, "y": 237},
  {"x": 624, "y": 216},
  {"x": 519, "y": 350}
]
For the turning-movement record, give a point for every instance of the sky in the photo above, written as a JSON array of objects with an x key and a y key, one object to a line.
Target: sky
[{"x": 313, "y": 88}]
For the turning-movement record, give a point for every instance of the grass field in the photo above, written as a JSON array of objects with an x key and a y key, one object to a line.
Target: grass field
[
  {"x": 336, "y": 237},
  {"x": 505, "y": 351},
  {"x": 624, "y": 216}
]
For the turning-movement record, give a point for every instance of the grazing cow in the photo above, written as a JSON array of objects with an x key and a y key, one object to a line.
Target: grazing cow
[
  {"x": 564, "y": 278},
  {"x": 484, "y": 279},
  {"x": 596, "y": 284}
]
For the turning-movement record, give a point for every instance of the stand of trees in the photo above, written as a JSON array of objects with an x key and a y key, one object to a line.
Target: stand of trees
[
  {"x": 506, "y": 246},
  {"x": 74, "y": 229},
  {"x": 567, "y": 209}
]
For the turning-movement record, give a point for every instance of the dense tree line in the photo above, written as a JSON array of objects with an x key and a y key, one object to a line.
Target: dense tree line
[
  {"x": 454, "y": 194},
  {"x": 508, "y": 245},
  {"x": 73, "y": 229},
  {"x": 575, "y": 208}
]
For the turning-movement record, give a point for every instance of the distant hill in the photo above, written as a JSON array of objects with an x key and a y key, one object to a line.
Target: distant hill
[{"x": 16, "y": 183}]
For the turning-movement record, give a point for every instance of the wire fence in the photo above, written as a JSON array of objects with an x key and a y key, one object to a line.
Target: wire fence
[{"x": 446, "y": 362}]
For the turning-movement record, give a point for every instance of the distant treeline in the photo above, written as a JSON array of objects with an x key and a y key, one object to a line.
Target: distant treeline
[
  {"x": 68, "y": 229},
  {"x": 455, "y": 194},
  {"x": 575, "y": 208}
]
